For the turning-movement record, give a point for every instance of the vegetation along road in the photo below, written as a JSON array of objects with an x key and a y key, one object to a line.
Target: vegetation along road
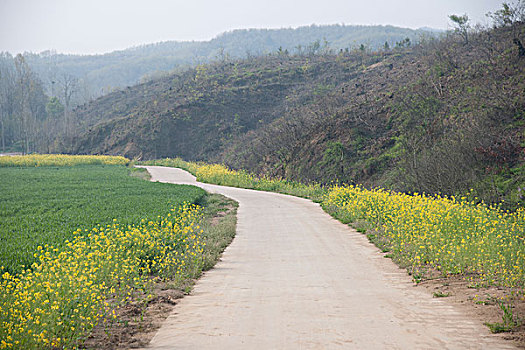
[{"x": 296, "y": 278}]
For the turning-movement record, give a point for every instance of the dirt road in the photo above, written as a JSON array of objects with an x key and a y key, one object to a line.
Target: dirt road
[{"x": 294, "y": 278}]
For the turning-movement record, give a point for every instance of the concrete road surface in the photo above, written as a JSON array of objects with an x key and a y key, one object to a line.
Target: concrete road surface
[{"x": 295, "y": 278}]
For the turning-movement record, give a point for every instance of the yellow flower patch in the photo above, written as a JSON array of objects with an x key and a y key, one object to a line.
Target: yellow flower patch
[
  {"x": 448, "y": 234},
  {"x": 66, "y": 293},
  {"x": 35, "y": 160}
]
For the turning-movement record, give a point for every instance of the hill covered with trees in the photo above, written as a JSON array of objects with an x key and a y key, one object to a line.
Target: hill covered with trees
[
  {"x": 38, "y": 91},
  {"x": 444, "y": 116},
  {"x": 101, "y": 74}
]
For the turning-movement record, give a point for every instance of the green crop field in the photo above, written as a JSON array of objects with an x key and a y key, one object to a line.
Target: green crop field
[{"x": 45, "y": 205}]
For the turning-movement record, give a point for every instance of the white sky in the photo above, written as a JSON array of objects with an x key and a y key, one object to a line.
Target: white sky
[{"x": 98, "y": 26}]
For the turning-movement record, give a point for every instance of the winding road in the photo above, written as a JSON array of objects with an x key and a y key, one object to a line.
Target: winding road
[{"x": 295, "y": 278}]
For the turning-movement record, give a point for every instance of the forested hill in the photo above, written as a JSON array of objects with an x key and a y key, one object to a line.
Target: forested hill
[
  {"x": 444, "y": 116},
  {"x": 103, "y": 73}
]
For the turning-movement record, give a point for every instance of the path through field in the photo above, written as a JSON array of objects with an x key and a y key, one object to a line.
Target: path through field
[{"x": 294, "y": 278}]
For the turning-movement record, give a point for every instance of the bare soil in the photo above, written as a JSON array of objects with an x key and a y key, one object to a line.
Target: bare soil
[
  {"x": 481, "y": 303},
  {"x": 136, "y": 323}
]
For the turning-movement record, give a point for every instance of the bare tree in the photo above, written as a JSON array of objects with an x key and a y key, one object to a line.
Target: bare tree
[
  {"x": 69, "y": 87},
  {"x": 7, "y": 81},
  {"x": 510, "y": 15},
  {"x": 23, "y": 86},
  {"x": 461, "y": 26}
]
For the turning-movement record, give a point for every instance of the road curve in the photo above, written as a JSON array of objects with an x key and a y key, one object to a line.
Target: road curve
[{"x": 295, "y": 278}]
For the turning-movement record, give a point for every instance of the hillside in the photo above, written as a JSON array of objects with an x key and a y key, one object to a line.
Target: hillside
[
  {"x": 103, "y": 73},
  {"x": 444, "y": 116},
  {"x": 213, "y": 103}
]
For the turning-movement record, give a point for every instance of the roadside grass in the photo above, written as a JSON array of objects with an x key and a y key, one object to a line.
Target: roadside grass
[
  {"x": 510, "y": 321},
  {"x": 448, "y": 235},
  {"x": 219, "y": 227},
  {"x": 440, "y": 294},
  {"x": 220, "y": 175},
  {"x": 86, "y": 241},
  {"x": 140, "y": 173}
]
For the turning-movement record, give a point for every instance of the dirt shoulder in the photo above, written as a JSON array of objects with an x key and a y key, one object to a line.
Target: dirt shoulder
[
  {"x": 498, "y": 308},
  {"x": 481, "y": 303}
]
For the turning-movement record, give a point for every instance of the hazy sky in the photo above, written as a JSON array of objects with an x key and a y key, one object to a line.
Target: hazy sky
[{"x": 98, "y": 26}]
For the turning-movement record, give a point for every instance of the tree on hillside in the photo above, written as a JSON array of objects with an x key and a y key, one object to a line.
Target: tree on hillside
[
  {"x": 29, "y": 101},
  {"x": 69, "y": 86},
  {"x": 7, "y": 81},
  {"x": 54, "y": 108},
  {"x": 461, "y": 26},
  {"x": 403, "y": 43},
  {"x": 508, "y": 16},
  {"x": 24, "y": 83},
  {"x": 23, "y": 115},
  {"x": 314, "y": 48}
]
